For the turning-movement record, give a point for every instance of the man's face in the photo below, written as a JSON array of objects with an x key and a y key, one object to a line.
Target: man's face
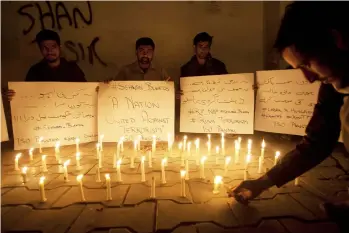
[
  {"x": 145, "y": 55},
  {"x": 50, "y": 50},
  {"x": 331, "y": 67},
  {"x": 202, "y": 49}
]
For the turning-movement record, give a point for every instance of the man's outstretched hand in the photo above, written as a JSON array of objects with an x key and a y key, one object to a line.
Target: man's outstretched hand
[{"x": 249, "y": 189}]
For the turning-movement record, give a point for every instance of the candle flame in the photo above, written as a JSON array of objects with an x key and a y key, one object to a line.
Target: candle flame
[
  {"x": 277, "y": 154},
  {"x": 40, "y": 139},
  {"x": 102, "y": 136},
  {"x": 58, "y": 144},
  {"x": 248, "y": 158},
  {"x": 183, "y": 173},
  {"x": 66, "y": 163},
  {"x": 227, "y": 160},
  {"x": 203, "y": 159},
  {"x": 107, "y": 176},
  {"x": 24, "y": 170},
  {"x": 154, "y": 137},
  {"x": 185, "y": 137},
  {"x": 197, "y": 142},
  {"x": 79, "y": 177},
  {"x": 42, "y": 179},
  {"x": 263, "y": 144},
  {"x": 188, "y": 146},
  {"x": 217, "y": 149},
  {"x": 97, "y": 146},
  {"x": 77, "y": 140},
  {"x": 43, "y": 157},
  {"x": 122, "y": 138},
  {"x": 118, "y": 162},
  {"x": 18, "y": 156},
  {"x": 218, "y": 179},
  {"x": 209, "y": 136},
  {"x": 239, "y": 139},
  {"x": 31, "y": 150},
  {"x": 237, "y": 145},
  {"x": 180, "y": 145},
  {"x": 163, "y": 161},
  {"x": 77, "y": 154},
  {"x": 143, "y": 158},
  {"x": 222, "y": 135}
]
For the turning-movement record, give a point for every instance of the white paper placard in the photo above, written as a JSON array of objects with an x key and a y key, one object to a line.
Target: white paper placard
[
  {"x": 285, "y": 101},
  {"x": 56, "y": 111},
  {"x": 132, "y": 108},
  {"x": 4, "y": 132},
  {"x": 217, "y": 104}
]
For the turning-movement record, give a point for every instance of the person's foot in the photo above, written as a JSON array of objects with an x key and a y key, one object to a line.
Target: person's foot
[{"x": 338, "y": 212}]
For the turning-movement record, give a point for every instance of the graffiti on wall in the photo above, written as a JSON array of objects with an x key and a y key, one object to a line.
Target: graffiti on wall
[{"x": 57, "y": 16}]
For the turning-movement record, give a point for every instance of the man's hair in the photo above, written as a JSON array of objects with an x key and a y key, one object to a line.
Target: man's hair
[
  {"x": 308, "y": 26},
  {"x": 202, "y": 36},
  {"x": 145, "y": 41},
  {"x": 47, "y": 35}
]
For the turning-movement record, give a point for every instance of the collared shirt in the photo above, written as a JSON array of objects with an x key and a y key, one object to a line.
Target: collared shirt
[
  {"x": 67, "y": 71},
  {"x": 212, "y": 66},
  {"x": 133, "y": 72}
]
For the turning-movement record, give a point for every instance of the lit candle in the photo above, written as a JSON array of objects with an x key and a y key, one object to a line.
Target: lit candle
[
  {"x": 40, "y": 144},
  {"x": 262, "y": 148},
  {"x": 277, "y": 154},
  {"x": 142, "y": 169},
  {"x": 182, "y": 183},
  {"x": 163, "y": 177},
  {"x": 139, "y": 142},
  {"x": 43, "y": 163},
  {"x": 65, "y": 169},
  {"x": 197, "y": 146},
  {"x": 101, "y": 141},
  {"x": 202, "y": 167},
  {"x": 189, "y": 149},
  {"x": 100, "y": 161},
  {"x": 24, "y": 174},
  {"x": 249, "y": 146},
  {"x": 79, "y": 180},
  {"x": 217, "y": 154},
  {"x": 185, "y": 142},
  {"x": 132, "y": 159},
  {"x": 118, "y": 171},
  {"x": 209, "y": 138},
  {"x": 78, "y": 166},
  {"x": 237, "y": 151},
  {"x": 296, "y": 182},
  {"x": 227, "y": 161},
  {"x": 260, "y": 164},
  {"x": 77, "y": 141},
  {"x": 208, "y": 148},
  {"x": 153, "y": 145},
  {"x": 122, "y": 143},
  {"x": 248, "y": 160},
  {"x": 152, "y": 188},
  {"x": 239, "y": 140},
  {"x": 57, "y": 152},
  {"x": 223, "y": 144},
  {"x": 31, "y": 154},
  {"x": 150, "y": 162},
  {"x": 98, "y": 175},
  {"x": 107, "y": 183},
  {"x": 116, "y": 155},
  {"x": 97, "y": 150},
  {"x": 16, "y": 161},
  {"x": 42, "y": 189},
  {"x": 187, "y": 169},
  {"x": 217, "y": 184}
]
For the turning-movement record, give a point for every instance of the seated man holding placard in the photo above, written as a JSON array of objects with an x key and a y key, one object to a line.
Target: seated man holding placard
[
  {"x": 52, "y": 68},
  {"x": 202, "y": 63},
  {"x": 313, "y": 37},
  {"x": 143, "y": 69}
]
